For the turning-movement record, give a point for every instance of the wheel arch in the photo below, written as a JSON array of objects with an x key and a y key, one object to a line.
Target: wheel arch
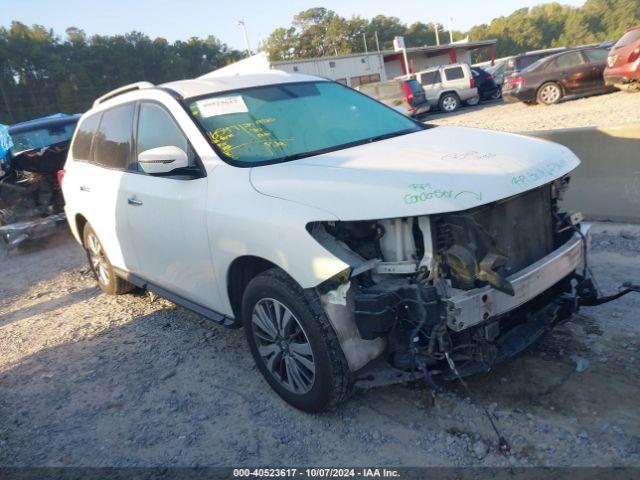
[
  {"x": 80, "y": 221},
  {"x": 240, "y": 272}
]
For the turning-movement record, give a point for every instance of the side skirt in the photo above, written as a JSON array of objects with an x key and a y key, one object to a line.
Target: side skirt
[{"x": 178, "y": 300}]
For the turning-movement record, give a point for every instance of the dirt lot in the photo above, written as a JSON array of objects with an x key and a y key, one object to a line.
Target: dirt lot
[
  {"x": 612, "y": 109},
  {"x": 92, "y": 380}
]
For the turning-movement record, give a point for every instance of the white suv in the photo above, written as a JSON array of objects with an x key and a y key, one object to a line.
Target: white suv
[{"x": 333, "y": 228}]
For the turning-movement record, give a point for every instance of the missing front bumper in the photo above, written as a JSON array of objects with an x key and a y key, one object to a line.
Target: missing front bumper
[{"x": 475, "y": 306}]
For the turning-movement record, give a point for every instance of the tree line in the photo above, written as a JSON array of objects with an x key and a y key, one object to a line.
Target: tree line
[
  {"x": 42, "y": 73},
  {"x": 318, "y": 31}
]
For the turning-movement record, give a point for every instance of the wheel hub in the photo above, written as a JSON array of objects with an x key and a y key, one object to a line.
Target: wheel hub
[{"x": 283, "y": 345}]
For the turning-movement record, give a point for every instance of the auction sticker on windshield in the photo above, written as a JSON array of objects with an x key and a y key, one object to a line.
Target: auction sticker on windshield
[{"x": 212, "y": 107}]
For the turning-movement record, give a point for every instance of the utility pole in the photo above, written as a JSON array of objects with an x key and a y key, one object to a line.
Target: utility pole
[
  {"x": 377, "y": 41},
  {"x": 436, "y": 27},
  {"x": 364, "y": 37},
  {"x": 246, "y": 36},
  {"x": 450, "y": 29}
]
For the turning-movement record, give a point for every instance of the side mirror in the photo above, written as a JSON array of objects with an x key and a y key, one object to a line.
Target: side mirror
[{"x": 162, "y": 159}]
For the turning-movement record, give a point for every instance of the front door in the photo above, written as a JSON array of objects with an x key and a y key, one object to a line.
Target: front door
[
  {"x": 574, "y": 73},
  {"x": 166, "y": 215}
]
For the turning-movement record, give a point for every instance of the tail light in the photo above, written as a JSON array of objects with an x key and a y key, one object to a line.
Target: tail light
[
  {"x": 472, "y": 83},
  {"x": 517, "y": 82},
  {"x": 634, "y": 55},
  {"x": 489, "y": 78},
  {"x": 407, "y": 91},
  {"x": 61, "y": 176}
]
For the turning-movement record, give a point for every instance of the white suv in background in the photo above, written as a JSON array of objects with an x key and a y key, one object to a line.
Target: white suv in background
[
  {"x": 447, "y": 87},
  {"x": 336, "y": 230}
]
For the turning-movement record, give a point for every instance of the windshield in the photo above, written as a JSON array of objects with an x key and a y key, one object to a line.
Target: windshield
[
  {"x": 42, "y": 137},
  {"x": 628, "y": 38},
  {"x": 535, "y": 65},
  {"x": 294, "y": 120}
]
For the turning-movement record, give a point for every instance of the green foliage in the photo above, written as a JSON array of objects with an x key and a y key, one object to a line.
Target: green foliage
[
  {"x": 42, "y": 74},
  {"x": 317, "y": 31}
]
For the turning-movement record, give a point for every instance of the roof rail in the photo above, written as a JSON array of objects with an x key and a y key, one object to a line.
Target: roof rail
[{"x": 119, "y": 91}]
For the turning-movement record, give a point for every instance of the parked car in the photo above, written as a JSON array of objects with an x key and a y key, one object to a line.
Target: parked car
[
  {"x": 487, "y": 88},
  {"x": 516, "y": 64},
  {"x": 333, "y": 228},
  {"x": 497, "y": 72},
  {"x": 623, "y": 63},
  {"x": 404, "y": 94},
  {"x": 447, "y": 87},
  {"x": 31, "y": 204},
  {"x": 549, "y": 80}
]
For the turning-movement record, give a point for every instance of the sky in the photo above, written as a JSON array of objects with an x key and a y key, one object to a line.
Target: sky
[{"x": 181, "y": 19}]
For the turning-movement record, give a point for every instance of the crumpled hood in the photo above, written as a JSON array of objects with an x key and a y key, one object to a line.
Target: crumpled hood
[{"x": 438, "y": 170}]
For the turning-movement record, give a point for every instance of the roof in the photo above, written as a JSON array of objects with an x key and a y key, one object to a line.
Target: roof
[
  {"x": 386, "y": 53},
  {"x": 204, "y": 86},
  {"x": 60, "y": 119}
]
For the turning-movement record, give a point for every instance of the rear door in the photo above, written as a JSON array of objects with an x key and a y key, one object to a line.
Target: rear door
[
  {"x": 166, "y": 214},
  {"x": 432, "y": 85},
  {"x": 597, "y": 60},
  {"x": 99, "y": 171},
  {"x": 573, "y": 72}
]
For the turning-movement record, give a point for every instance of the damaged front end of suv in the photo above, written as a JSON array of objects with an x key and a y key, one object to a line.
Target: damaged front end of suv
[{"x": 455, "y": 293}]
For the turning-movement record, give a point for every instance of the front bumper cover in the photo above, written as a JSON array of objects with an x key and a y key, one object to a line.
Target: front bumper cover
[{"x": 472, "y": 307}]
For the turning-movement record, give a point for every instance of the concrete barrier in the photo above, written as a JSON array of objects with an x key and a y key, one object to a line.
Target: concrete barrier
[{"x": 606, "y": 186}]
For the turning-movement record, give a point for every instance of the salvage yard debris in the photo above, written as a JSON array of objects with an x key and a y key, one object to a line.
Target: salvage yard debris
[{"x": 32, "y": 153}]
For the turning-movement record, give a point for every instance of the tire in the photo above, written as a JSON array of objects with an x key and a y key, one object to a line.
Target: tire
[
  {"x": 108, "y": 281},
  {"x": 549, "y": 93},
  {"x": 496, "y": 95},
  {"x": 472, "y": 102},
  {"x": 449, "y": 102},
  {"x": 321, "y": 377}
]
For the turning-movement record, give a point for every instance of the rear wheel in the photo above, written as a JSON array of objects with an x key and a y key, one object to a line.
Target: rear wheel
[
  {"x": 102, "y": 269},
  {"x": 550, "y": 93},
  {"x": 293, "y": 344},
  {"x": 449, "y": 102},
  {"x": 472, "y": 102}
]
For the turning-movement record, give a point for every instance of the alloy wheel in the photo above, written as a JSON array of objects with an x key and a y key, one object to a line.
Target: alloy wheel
[
  {"x": 283, "y": 345},
  {"x": 449, "y": 104},
  {"x": 550, "y": 94},
  {"x": 98, "y": 259}
]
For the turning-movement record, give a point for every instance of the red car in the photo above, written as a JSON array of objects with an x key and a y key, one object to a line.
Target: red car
[{"x": 623, "y": 63}]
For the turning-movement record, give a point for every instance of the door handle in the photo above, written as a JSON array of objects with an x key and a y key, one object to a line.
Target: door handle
[
  {"x": 84, "y": 188},
  {"x": 134, "y": 201}
]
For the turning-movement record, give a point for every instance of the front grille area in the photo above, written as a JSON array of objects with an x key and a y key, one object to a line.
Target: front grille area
[
  {"x": 521, "y": 226},
  {"x": 518, "y": 229}
]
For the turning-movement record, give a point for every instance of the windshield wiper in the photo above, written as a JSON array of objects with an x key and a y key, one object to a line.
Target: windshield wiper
[{"x": 385, "y": 136}]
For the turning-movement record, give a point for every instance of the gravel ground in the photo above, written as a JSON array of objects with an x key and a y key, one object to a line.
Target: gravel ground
[
  {"x": 607, "y": 110},
  {"x": 92, "y": 380}
]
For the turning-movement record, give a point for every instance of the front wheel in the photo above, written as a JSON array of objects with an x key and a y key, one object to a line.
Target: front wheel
[
  {"x": 449, "y": 102},
  {"x": 549, "y": 93},
  {"x": 293, "y": 344}
]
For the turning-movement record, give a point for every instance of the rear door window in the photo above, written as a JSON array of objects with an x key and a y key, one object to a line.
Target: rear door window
[
  {"x": 569, "y": 60},
  {"x": 597, "y": 55},
  {"x": 455, "y": 73},
  {"x": 430, "y": 78},
  {"x": 81, "y": 149},
  {"x": 112, "y": 142}
]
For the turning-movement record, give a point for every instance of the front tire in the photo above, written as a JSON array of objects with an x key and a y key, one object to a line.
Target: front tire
[
  {"x": 101, "y": 267},
  {"x": 293, "y": 343},
  {"x": 550, "y": 93}
]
